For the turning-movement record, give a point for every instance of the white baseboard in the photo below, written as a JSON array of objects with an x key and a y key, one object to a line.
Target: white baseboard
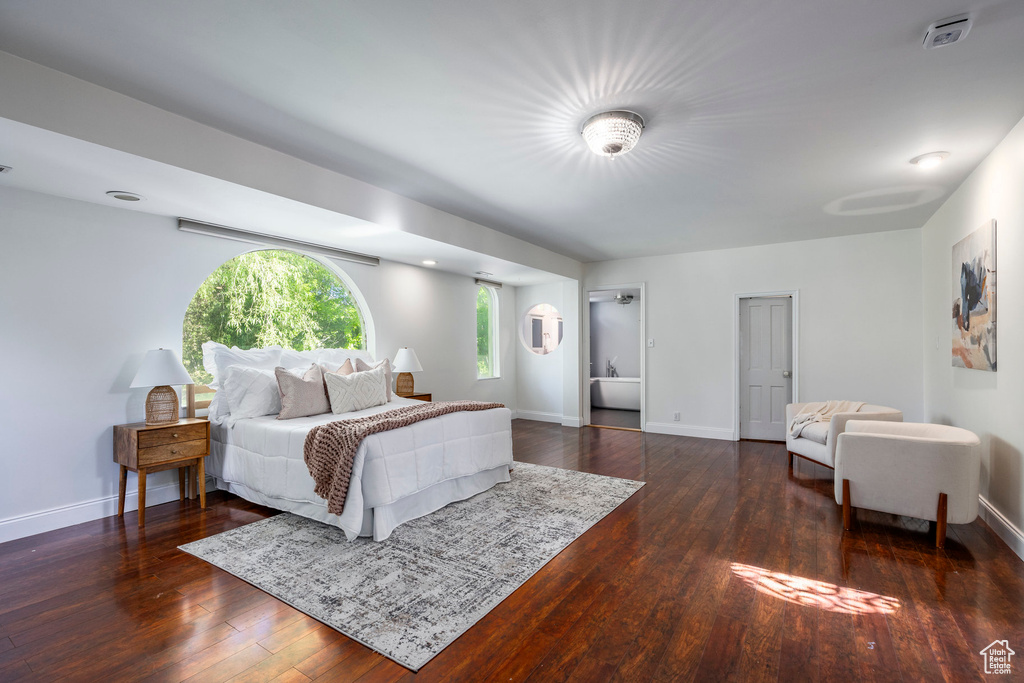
[
  {"x": 574, "y": 422},
  {"x": 539, "y": 416},
  {"x": 68, "y": 515},
  {"x": 687, "y": 430},
  {"x": 1003, "y": 527}
]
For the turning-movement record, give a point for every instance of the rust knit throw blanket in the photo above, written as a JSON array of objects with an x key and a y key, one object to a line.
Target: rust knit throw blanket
[{"x": 330, "y": 449}]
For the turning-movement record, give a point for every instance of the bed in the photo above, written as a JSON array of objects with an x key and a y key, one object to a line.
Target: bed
[{"x": 397, "y": 475}]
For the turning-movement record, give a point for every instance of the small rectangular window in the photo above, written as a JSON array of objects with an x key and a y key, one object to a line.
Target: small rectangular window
[{"x": 487, "y": 333}]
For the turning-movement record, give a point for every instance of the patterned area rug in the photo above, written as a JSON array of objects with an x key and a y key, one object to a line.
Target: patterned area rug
[{"x": 410, "y": 596}]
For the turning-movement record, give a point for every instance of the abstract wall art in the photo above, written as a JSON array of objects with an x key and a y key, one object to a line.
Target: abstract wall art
[{"x": 974, "y": 300}]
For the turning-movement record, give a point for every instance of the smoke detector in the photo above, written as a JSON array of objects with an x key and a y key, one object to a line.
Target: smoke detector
[{"x": 947, "y": 31}]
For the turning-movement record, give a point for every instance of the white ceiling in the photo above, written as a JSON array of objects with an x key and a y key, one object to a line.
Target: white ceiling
[{"x": 768, "y": 121}]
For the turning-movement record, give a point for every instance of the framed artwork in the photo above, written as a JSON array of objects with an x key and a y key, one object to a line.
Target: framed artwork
[{"x": 974, "y": 300}]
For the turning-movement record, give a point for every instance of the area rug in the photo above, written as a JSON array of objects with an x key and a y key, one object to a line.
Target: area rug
[{"x": 410, "y": 596}]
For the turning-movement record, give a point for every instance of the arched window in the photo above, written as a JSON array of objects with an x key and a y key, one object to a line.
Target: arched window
[
  {"x": 270, "y": 297},
  {"x": 487, "y": 333}
]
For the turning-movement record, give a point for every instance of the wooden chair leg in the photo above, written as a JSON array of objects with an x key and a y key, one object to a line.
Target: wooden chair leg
[
  {"x": 790, "y": 459},
  {"x": 847, "y": 506},
  {"x": 940, "y": 523}
]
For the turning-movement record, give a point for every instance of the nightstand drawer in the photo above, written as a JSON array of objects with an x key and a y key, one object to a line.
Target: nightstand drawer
[
  {"x": 172, "y": 451},
  {"x": 170, "y": 434}
]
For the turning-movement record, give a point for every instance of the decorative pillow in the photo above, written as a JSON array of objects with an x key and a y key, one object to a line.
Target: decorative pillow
[
  {"x": 250, "y": 392},
  {"x": 217, "y": 358},
  {"x": 345, "y": 369},
  {"x": 363, "y": 366},
  {"x": 357, "y": 391},
  {"x": 302, "y": 396}
]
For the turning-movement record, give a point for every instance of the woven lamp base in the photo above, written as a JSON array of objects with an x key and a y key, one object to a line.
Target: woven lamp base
[
  {"x": 404, "y": 384},
  {"x": 162, "y": 406}
]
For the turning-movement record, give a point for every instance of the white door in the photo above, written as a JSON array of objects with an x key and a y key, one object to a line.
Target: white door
[{"x": 766, "y": 356}]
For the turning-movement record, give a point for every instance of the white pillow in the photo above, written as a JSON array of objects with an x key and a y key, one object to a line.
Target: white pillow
[
  {"x": 252, "y": 392},
  {"x": 338, "y": 357},
  {"x": 217, "y": 358},
  {"x": 357, "y": 391},
  {"x": 386, "y": 364},
  {"x": 293, "y": 359}
]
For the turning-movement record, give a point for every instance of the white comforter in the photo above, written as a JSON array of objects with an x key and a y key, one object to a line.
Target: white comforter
[{"x": 261, "y": 460}]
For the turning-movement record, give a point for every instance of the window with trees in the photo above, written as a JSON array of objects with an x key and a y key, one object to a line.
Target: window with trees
[
  {"x": 487, "y": 333},
  {"x": 270, "y": 297}
]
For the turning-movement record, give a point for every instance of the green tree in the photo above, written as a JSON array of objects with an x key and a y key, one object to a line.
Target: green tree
[
  {"x": 483, "y": 333},
  {"x": 270, "y": 297}
]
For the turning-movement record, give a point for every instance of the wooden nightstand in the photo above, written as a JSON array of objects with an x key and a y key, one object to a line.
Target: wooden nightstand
[
  {"x": 146, "y": 448},
  {"x": 418, "y": 397}
]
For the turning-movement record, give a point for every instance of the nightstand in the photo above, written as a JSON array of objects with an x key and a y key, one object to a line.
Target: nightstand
[
  {"x": 418, "y": 397},
  {"x": 146, "y": 448}
]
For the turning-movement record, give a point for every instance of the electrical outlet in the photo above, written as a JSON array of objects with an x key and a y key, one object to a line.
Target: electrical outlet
[
  {"x": 650, "y": 343},
  {"x": 675, "y": 416}
]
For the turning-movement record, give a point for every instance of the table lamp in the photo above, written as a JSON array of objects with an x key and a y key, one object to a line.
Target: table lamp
[
  {"x": 161, "y": 368},
  {"x": 406, "y": 363}
]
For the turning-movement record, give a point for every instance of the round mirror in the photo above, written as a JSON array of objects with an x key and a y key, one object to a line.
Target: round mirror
[{"x": 541, "y": 329}]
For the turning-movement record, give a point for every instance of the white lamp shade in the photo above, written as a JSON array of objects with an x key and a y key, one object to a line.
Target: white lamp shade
[
  {"x": 406, "y": 361},
  {"x": 161, "y": 367}
]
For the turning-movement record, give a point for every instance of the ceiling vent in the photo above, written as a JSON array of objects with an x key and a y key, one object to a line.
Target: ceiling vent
[{"x": 947, "y": 31}]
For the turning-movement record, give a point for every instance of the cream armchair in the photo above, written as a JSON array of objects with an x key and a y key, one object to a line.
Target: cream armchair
[
  {"x": 925, "y": 471},
  {"x": 818, "y": 440}
]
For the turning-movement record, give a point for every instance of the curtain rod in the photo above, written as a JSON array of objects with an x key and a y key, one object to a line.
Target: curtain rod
[{"x": 239, "y": 235}]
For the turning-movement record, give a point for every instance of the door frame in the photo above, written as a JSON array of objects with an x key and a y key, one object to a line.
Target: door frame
[
  {"x": 585, "y": 376},
  {"x": 794, "y": 335}
]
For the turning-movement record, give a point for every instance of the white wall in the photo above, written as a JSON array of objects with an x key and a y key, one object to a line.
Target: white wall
[
  {"x": 539, "y": 379},
  {"x": 860, "y": 323},
  {"x": 615, "y": 332},
  {"x": 87, "y": 289},
  {"x": 990, "y": 404}
]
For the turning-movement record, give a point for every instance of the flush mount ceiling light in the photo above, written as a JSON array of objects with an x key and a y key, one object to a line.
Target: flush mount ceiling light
[
  {"x": 429, "y": 262},
  {"x": 612, "y": 133},
  {"x": 125, "y": 196},
  {"x": 929, "y": 160},
  {"x": 623, "y": 299}
]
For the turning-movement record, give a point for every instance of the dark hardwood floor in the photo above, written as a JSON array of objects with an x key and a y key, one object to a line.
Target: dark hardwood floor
[
  {"x": 627, "y": 419},
  {"x": 724, "y": 566}
]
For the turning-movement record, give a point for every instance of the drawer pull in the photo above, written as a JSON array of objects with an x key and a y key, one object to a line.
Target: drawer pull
[
  {"x": 174, "y": 452},
  {"x": 175, "y": 436}
]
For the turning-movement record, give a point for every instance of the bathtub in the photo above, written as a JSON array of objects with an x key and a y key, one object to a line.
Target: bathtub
[{"x": 621, "y": 393}]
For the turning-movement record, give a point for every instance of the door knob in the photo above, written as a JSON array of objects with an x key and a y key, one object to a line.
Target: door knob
[{"x": 787, "y": 373}]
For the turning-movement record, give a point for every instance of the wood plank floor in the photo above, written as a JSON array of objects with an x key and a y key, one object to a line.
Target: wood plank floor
[{"x": 725, "y": 566}]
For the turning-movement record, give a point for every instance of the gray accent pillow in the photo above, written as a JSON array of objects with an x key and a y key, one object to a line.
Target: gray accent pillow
[
  {"x": 363, "y": 366},
  {"x": 301, "y": 396},
  {"x": 357, "y": 391}
]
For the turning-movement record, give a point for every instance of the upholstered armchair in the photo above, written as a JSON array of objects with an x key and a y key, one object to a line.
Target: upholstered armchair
[
  {"x": 925, "y": 471},
  {"x": 818, "y": 440}
]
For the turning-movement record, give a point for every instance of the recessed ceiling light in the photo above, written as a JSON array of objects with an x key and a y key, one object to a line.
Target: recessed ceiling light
[
  {"x": 484, "y": 272},
  {"x": 929, "y": 160},
  {"x": 125, "y": 196},
  {"x": 429, "y": 262}
]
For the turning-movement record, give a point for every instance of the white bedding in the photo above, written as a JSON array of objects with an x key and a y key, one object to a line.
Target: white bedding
[{"x": 397, "y": 475}]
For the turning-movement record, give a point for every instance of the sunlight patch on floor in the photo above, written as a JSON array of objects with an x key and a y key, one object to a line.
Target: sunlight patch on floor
[{"x": 826, "y": 596}]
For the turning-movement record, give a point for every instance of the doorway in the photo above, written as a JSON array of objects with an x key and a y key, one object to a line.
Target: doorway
[
  {"x": 614, "y": 384},
  {"x": 765, "y": 355}
]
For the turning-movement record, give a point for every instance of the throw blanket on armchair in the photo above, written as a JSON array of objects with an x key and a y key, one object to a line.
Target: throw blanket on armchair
[
  {"x": 820, "y": 411},
  {"x": 330, "y": 449}
]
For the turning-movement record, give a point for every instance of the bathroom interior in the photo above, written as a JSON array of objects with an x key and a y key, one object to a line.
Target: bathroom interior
[{"x": 615, "y": 348}]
